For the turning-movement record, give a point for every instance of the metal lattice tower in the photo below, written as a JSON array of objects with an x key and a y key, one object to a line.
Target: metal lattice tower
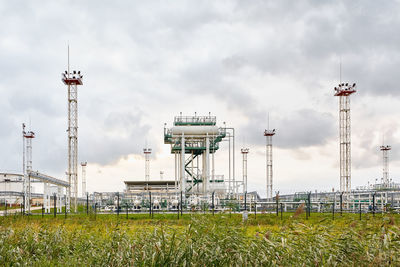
[
  {"x": 385, "y": 160},
  {"x": 72, "y": 80},
  {"x": 84, "y": 164},
  {"x": 27, "y": 166},
  {"x": 343, "y": 91},
  {"x": 268, "y": 134},
  {"x": 244, "y": 151},
  {"x": 147, "y": 153}
]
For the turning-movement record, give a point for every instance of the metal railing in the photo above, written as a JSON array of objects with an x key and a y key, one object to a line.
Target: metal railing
[{"x": 195, "y": 120}]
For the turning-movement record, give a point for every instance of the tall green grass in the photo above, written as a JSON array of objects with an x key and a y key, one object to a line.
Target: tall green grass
[{"x": 200, "y": 240}]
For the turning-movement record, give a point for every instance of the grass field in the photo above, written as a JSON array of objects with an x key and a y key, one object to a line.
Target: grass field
[{"x": 200, "y": 240}]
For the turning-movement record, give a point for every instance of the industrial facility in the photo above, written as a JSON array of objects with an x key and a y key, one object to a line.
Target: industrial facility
[{"x": 194, "y": 142}]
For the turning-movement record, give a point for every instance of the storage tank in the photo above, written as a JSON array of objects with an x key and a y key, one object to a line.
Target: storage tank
[
  {"x": 175, "y": 203},
  {"x": 195, "y": 130},
  {"x": 156, "y": 204},
  {"x": 194, "y": 201},
  {"x": 137, "y": 204}
]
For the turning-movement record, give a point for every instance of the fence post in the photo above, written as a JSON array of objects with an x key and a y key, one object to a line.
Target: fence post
[
  {"x": 177, "y": 208},
  {"x": 373, "y": 204},
  {"x": 333, "y": 210},
  {"x": 213, "y": 202},
  {"x": 5, "y": 207},
  {"x": 245, "y": 201},
  {"x": 181, "y": 204},
  {"x": 359, "y": 203},
  {"x": 306, "y": 209},
  {"x": 23, "y": 205},
  {"x": 341, "y": 204},
  {"x": 255, "y": 208},
  {"x": 65, "y": 211},
  {"x": 281, "y": 211},
  {"x": 277, "y": 203},
  {"x": 95, "y": 211},
  {"x": 150, "y": 204},
  {"x": 118, "y": 204},
  {"x": 55, "y": 205},
  {"x": 127, "y": 210},
  {"x": 42, "y": 210},
  {"x": 87, "y": 203},
  {"x": 309, "y": 204}
]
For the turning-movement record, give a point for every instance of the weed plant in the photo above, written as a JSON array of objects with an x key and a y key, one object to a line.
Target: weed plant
[{"x": 200, "y": 240}]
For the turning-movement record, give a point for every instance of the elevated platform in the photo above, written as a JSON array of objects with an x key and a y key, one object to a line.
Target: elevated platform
[
  {"x": 194, "y": 120},
  {"x": 345, "y": 89},
  {"x": 269, "y": 132},
  {"x": 149, "y": 186},
  {"x": 47, "y": 179},
  {"x": 72, "y": 79}
]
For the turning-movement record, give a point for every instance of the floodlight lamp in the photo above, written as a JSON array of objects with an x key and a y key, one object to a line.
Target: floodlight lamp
[
  {"x": 74, "y": 71},
  {"x": 79, "y": 72},
  {"x": 354, "y": 84},
  {"x": 347, "y": 84}
]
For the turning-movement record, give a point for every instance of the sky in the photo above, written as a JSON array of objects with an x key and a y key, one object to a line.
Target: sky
[{"x": 144, "y": 62}]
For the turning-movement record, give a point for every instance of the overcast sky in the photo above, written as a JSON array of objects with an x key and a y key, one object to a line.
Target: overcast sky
[{"x": 145, "y": 61}]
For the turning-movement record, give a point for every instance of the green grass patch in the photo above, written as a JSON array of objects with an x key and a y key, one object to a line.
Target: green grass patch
[{"x": 200, "y": 240}]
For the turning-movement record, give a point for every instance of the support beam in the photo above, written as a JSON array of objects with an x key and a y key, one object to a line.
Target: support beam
[
  {"x": 182, "y": 164},
  {"x": 207, "y": 166},
  {"x": 46, "y": 178}
]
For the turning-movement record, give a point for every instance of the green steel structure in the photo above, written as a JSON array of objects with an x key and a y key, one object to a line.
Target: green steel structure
[{"x": 193, "y": 138}]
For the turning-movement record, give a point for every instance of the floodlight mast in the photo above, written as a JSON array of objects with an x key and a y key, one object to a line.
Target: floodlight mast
[
  {"x": 83, "y": 165},
  {"x": 147, "y": 153},
  {"x": 27, "y": 166},
  {"x": 343, "y": 91},
  {"x": 385, "y": 160},
  {"x": 269, "y": 134},
  {"x": 244, "y": 152},
  {"x": 72, "y": 80}
]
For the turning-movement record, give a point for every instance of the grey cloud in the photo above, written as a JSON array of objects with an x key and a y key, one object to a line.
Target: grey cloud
[
  {"x": 209, "y": 78},
  {"x": 367, "y": 153},
  {"x": 309, "y": 38},
  {"x": 118, "y": 135},
  {"x": 299, "y": 129},
  {"x": 153, "y": 53},
  {"x": 305, "y": 128}
]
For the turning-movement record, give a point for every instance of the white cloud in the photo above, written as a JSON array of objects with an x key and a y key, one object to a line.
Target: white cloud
[{"x": 144, "y": 62}]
